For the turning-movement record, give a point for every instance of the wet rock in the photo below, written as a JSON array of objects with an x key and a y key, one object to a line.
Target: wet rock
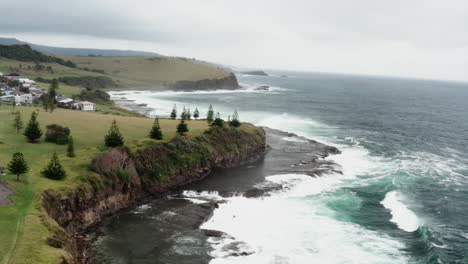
[{"x": 213, "y": 233}]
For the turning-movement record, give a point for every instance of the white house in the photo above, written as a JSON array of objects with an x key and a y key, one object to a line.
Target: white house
[
  {"x": 88, "y": 106},
  {"x": 24, "y": 99}
]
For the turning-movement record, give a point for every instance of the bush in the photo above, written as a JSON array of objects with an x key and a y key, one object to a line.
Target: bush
[
  {"x": 57, "y": 134},
  {"x": 218, "y": 122}
]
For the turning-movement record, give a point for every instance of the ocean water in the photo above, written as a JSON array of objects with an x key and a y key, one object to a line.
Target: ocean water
[{"x": 403, "y": 194}]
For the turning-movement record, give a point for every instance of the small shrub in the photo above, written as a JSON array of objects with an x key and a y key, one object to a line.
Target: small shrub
[{"x": 57, "y": 134}]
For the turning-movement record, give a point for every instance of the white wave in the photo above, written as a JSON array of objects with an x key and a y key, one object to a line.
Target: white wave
[
  {"x": 401, "y": 215},
  {"x": 293, "y": 226},
  {"x": 293, "y": 139},
  {"x": 202, "y": 196}
]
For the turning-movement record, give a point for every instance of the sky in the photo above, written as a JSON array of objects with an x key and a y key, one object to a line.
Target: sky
[{"x": 405, "y": 38}]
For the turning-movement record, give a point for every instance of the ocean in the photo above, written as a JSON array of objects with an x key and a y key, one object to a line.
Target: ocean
[{"x": 402, "y": 196}]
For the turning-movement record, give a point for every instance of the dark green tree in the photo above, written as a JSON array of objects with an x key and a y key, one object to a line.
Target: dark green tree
[
  {"x": 156, "y": 132},
  {"x": 70, "y": 147},
  {"x": 218, "y": 122},
  {"x": 210, "y": 115},
  {"x": 183, "y": 115},
  {"x": 18, "y": 165},
  {"x": 54, "y": 169},
  {"x": 235, "y": 120},
  {"x": 182, "y": 127},
  {"x": 174, "y": 112},
  {"x": 188, "y": 115},
  {"x": 196, "y": 114},
  {"x": 18, "y": 122},
  {"x": 54, "y": 86},
  {"x": 33, "y": 132},
  {"x": 114, "y": 138}
]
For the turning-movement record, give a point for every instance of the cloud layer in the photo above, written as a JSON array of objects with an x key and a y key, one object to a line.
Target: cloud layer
[{"x": 404, "y": 38}]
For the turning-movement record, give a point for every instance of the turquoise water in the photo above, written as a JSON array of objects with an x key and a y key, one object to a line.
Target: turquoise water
[{"x": 403, "y": 196}]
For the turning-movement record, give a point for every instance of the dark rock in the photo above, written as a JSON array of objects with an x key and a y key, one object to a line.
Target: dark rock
[{"x": 213, "y": 233}]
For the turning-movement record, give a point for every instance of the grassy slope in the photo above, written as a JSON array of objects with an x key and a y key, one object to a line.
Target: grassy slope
[
  {"x": 22, "y": 222},
  {"x": 150, "y": 72}
]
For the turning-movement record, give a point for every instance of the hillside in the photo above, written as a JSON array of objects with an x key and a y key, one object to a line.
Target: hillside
[{"x": 78, "y": 51}]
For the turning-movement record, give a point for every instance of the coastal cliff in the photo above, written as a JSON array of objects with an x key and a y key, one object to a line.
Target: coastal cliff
[
  {"x": 128, "y": 176},
  {"x": 228, "y": 83}
]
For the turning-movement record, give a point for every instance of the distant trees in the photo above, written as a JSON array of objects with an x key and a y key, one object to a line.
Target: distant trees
[
  {"x": 54, "y": 169},
  {"x": 183, "y": 115},
  {"x": 33, "y": 132},
  {"x": 210, "y": 115},
  {"x": 18, "y": 122},
  {"x": 114, "y": 138},
  {"x": 70, "y": 148},
  {"x": 196, "y": 114},
  {"x": 182, "y": 127},
  {"x": 174, "y": 112},
  {"x": 18, "y": 165},
  {"x": 156, "y": 132},
  {"x": 234, "y": 122}
]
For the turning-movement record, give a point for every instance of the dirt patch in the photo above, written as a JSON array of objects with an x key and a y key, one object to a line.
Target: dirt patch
[{"x": 4, "y": 192}]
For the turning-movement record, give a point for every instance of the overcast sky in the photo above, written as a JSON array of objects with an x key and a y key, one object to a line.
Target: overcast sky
[{"x": 426, "y": 38}]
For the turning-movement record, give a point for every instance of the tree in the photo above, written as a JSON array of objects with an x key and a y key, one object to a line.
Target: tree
[
  {"x": 156, "y": 132},
  {"x": 70, "y": 148},
  {"x": 210, "y": 115},
  {"x": 54, "y": 169},
  {"x": 18, "y": 122},
  {"x": 18, "y": 165},
  {"x": 114, "y": 138},
  {"x": 235, "y": 120},
  {"x": 218, "y": 122},
  {"x": 188, "y": 115},
  {"x": 174, "y": 112},
  {"x": 57, "y": 134},
  {"x": 33, "y": 132},
  {"x": 183, "y": 115},
  {"x": 196, "y": 114},
  {"x": 54, "y": 86},
  {"x": 182, "y": 127}
]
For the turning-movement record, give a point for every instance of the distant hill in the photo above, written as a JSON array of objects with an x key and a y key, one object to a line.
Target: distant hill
[
  {"x": 79, "y": 51},
  {"x": 25, "y": 53},
  {"x": 261, "y": 73}
]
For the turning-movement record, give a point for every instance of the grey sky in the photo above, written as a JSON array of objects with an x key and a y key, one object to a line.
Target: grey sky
[{"x": 400, "y": 37}]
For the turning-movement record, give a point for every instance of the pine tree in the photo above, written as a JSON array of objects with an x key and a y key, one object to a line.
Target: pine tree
[
  {"x": 210, "y": 115},
  {"x": 54, "y": 169},
  {"x": 18, "y": 122},
  {"x": 183, "y": 115},
  {"x": 114, "y": 138},
  {"x": 182, "y": 127},
  {"x": 33, "y": 131},
  {"x": 156, "y": 132},
  {"x": 70, "y": 148},
  {"x": 235, "y": 120},
  {"x": 54, "y": 86},
  {"x": 188, "y": 115},
  {"x": 18, "y": 165},
  {"x": 196, "y": 114},
  {"x": 174, "y": 112}
]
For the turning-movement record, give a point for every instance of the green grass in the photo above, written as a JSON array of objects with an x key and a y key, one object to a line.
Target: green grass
[{"x": 23, "y": 235}]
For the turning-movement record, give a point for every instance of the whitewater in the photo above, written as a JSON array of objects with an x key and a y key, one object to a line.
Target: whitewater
[{"x": 403, "y": 162}]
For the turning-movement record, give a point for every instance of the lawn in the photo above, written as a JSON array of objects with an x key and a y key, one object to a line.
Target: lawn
[{"x": 23, "y": 235}]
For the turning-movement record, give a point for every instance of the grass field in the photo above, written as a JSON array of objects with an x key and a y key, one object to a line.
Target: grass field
[{"x": 23, "y": 235}]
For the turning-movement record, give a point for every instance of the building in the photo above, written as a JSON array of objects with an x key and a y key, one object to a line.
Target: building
[
  {"x": 88, "y": 106},
  {"x": 24, "y": 99}
]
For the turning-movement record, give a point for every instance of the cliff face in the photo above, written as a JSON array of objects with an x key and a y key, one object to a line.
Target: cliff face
[
  {"x": 228, "y": 83},
  {"x": 128, "y": 177}
]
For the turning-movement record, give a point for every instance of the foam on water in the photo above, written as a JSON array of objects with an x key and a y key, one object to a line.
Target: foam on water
[
  {"x": 292, "y": 226},
  {"x": 401, "y": 215}
]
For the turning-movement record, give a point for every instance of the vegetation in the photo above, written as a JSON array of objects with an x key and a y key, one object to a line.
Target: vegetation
[
  {"x": 114, "y": 138},
  {"x": 57, "y": 134},
  {"x": 70, "y": 148},
  {"x": 174, "y": 112},
  {"x": 33, "y": 131},
  {"x": 210, "y": 115},
  {"x": 54, "y": 169},
  {"x": 196, "y": 114},
  {"x": 235, "y": 120},
  {"x": 90, "y": 82},
  {"x": 96, "y": 96},
  {"x": 18, "y": 122},
  {"x": 25, "y": 53},
  {"x": 156, "y": 132},
  {"x": 182, "y": 127},
  {"x": 218, "y": 122},
  {"x": 18, "y": 165}
]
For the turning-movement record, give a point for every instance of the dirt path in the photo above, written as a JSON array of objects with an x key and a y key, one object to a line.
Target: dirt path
[{"x": 4, "y": 192}]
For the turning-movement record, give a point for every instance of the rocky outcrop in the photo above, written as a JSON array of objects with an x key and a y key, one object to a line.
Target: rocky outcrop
[
  {"x": 124, "y": 178},
  {"x": 228, "y": 83}
]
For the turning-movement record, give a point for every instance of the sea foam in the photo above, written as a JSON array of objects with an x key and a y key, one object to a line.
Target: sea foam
[{"x": 401, "y": 215}]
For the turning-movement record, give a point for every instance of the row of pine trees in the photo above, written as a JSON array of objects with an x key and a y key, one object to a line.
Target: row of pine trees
[{"x": 54, "y": 170}]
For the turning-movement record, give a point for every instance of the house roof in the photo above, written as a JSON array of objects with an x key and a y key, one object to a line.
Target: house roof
[{"x": 86, "y": 102}]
